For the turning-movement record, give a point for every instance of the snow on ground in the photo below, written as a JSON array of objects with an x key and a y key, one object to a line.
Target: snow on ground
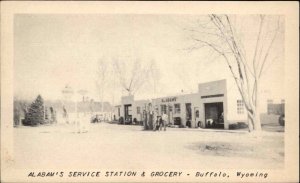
[{"x": 112, "y": 146}]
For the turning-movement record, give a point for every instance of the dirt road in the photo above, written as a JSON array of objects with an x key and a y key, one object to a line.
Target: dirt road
[{"x": 112, "y": 146}]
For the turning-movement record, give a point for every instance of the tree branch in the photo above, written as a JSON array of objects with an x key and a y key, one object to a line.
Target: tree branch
[{"x": 269, "y": 48}]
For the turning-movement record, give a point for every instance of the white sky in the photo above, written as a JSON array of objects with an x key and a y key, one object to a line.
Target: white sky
[{"x": 51, "y": 51}]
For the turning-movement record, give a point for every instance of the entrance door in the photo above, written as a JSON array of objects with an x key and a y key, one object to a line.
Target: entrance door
[
  {"x": 127, "y": 112},
  {"x": 214, "y": 115}
]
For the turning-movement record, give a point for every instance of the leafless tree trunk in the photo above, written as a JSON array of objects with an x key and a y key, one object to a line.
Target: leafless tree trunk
[
  {"x": 101, "y": 82},
  {"x": 220, "y": 34},
  {"x": 154, "y": 75}
]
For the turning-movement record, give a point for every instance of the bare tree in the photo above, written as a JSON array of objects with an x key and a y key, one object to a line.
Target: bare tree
[
  {"x": 132, "y": 76},
  {"x": 102, "y": 79},
  {"x": 154, "y": 76},
  {"x": 247, "y": 58},
  {"x": 20, "y": 110}
]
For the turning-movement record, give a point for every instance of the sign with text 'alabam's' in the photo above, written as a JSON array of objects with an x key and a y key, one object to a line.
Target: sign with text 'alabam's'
[{"x": 170, "y": 99}]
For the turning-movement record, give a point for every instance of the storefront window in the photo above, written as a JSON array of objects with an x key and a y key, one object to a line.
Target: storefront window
[{"x": 177, "y": 108}]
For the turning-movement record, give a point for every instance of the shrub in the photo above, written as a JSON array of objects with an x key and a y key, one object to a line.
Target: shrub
[{"x": 238, "y": 125}]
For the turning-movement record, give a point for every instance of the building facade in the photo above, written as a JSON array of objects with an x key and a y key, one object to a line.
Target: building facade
[{"x": 215, "y": 105}]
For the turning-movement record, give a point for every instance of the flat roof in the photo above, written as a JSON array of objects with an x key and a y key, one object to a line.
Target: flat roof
[{"x": 179, "y": 95}]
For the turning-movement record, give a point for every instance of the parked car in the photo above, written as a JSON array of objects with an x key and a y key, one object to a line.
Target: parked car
[
  {"x": 121, "y": 120},
  {"x": 96, "y": 119},
  {"x": 128, "y": 121},
  {"x": 177, "y": 121}
]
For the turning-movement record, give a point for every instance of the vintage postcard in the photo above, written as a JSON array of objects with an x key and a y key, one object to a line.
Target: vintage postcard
[{"x": 149, "y": 91}]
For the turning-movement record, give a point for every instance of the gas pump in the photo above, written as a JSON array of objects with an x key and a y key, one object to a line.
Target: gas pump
[
  {"x": 197, "y": 117},
  {"x": 170, "y": 113}
]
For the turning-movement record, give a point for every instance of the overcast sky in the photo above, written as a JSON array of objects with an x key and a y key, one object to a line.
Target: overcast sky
[{"x": 51, "y": 51}]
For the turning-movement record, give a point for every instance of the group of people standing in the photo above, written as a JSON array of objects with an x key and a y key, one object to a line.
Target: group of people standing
[{"x": 154, "y": 121}]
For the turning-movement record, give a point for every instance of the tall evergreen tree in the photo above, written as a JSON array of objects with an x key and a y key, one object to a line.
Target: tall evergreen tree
[{"x": 35, "y": 114}]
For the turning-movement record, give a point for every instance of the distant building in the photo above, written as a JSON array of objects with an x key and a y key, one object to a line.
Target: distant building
[{"x": 84, "y": 108}]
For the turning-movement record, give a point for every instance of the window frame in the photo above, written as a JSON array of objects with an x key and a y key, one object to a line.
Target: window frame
[
  {"x": 240, "y": 107},
  {"x": 177, "y": 110}
]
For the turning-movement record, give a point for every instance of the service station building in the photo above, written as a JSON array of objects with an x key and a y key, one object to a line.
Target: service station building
[{"x": 216, "y": 105}]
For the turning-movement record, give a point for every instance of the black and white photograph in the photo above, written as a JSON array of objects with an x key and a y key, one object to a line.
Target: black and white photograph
[{"x": 100, "y": 96}]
